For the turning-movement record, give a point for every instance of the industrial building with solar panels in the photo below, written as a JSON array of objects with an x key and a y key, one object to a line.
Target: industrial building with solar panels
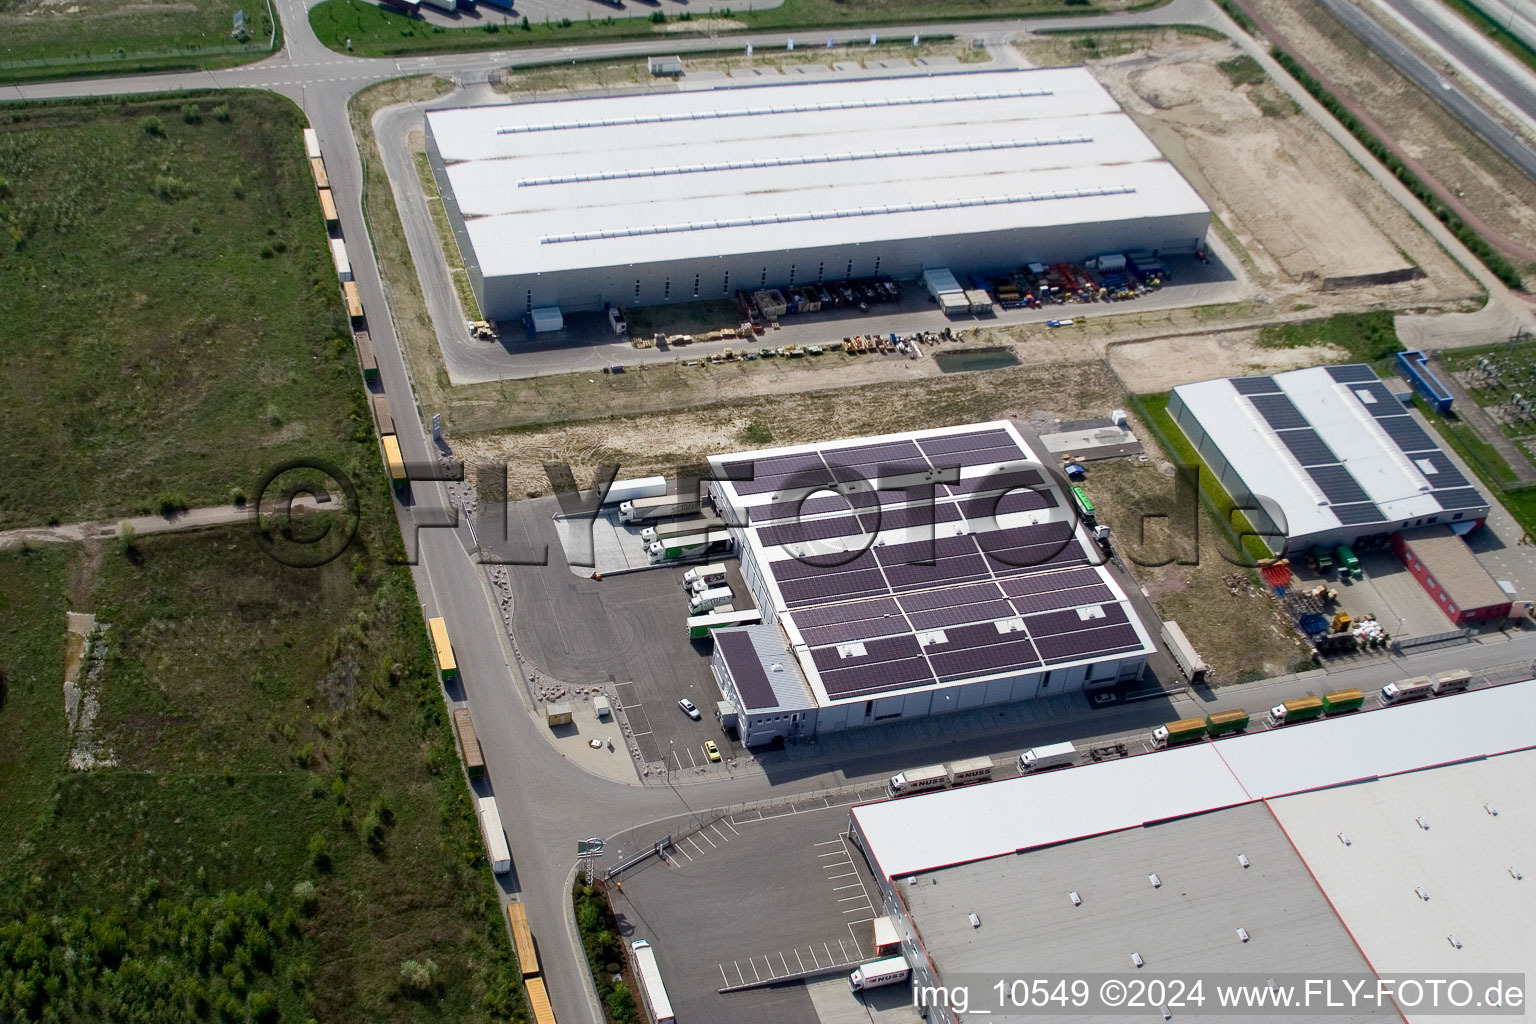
[
  {"x": 698, "y": 194},
  {"x": 1323, "y": 456},
  {"x": 910, "y": 575}
]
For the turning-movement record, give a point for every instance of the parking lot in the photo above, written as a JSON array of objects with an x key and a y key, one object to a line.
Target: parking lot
[
  {"x": 628, "y": 631},
  {"x": 770, "y": 895}
]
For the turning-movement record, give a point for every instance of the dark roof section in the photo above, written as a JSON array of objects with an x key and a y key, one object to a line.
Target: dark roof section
[{"x": 746, "y": 669}]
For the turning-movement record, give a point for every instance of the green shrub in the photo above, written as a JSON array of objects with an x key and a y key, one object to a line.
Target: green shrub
[
  {"x": 191, "y": 113},
  {"x": 221, "y": 112},
  {"x": 418, "y": 978},
  {"x": 153, "y": 126}
]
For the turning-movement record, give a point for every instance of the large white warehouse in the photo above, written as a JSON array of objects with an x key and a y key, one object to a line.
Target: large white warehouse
[{"x": 640, "y": 200}]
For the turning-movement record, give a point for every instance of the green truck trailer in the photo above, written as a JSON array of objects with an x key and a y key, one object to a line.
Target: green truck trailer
[
  {"x": 1224, "y": 722},
  {"x": 1340, "y": 701},
  {"x": 1299, "y": 710}
]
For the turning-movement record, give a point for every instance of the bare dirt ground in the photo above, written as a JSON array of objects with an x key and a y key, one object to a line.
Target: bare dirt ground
[
  {"x": 1489, "y": 185},
  {"x": 660, "y": 442},
  {"x": 1161, "y": 364},
  {"x": 1303, "y": 211},
  {"x": 549, "y": 82}
]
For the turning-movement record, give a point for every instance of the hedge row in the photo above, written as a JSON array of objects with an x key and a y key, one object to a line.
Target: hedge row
[{"x": 1479, "y": 246}]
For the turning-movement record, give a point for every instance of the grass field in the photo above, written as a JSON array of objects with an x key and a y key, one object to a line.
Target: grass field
[
  {"x": 284, "y": 777},
  {"x": 375, "y": 32},
  {"x": 43, "y": 39},
  {"x": 171, "y": 325},
  {"x": 1367, "y": 337}
]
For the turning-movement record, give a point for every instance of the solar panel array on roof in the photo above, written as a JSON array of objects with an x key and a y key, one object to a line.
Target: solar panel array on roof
[
  {"x": 1357, "y": 514},
  {"x": 1308, "y": 448},
  {"x": 1407, "y": 434},
  {"x": 1460, "y": 498},
  {"x": 1352, "y": 372},
  {"x": 1255, "y": 385},
  {"x": 1377, "y": 399},
  {"x": 1438, "y": 470},
  {"x": 747, "y": 671},
  {"x": 1338, "y": 485},
  {"x": 1278, "y": 411}
]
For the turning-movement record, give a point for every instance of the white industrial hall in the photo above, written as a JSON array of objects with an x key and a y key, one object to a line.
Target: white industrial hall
[{"x": 697, "y": 194}]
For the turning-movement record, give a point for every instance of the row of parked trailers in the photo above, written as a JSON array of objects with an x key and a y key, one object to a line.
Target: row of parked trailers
[
  {"x": 446, "y": 6},
  {"x": 1306, "y": 709}
]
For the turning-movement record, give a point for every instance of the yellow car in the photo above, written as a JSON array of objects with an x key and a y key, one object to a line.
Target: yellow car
[{"x": 711, "y": 751}]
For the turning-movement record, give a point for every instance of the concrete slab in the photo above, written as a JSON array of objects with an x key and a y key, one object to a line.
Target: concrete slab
[
  {"x": 1093, "y": 443},
  {"x": 1387, "y": 590},
  {"x": 609, "y": 759}
]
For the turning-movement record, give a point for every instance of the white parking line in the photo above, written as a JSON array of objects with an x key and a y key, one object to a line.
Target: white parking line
[
  {"x": 846, "y": 874},
  {"x": 842, "y": 864},
  {"x": 682, "y": 851},
  {"x": 832, "y": 853},
  {"x": 800, "y": 961},
  {"x": 784, "y": 962},
  {"x": 723, "y": 837},
  {"x": 753, "y": 962},
  {"x": 849, "y": 899},
  {"x": 828, "y": 948},
  {"x": 860, "y": 910},
  {"x": 724, "y": 977},
  {"x": 708, "y": 840},
  {"x": 829, "y": 842},
  {"x": 743, "y": 978},
  {"x": 815, "y": 960},
  {"x": 696, "y": 847},
  {"x": 729, "y": 825},
  {"x": 850, "y": 885}
]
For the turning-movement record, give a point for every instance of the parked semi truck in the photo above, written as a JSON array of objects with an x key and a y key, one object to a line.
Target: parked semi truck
[
  {"x": 1302, "y": 709},
  {"x": 650, "y": 982},
  {"x": 695, "y": 546},
  {"x": 1172, "y": 734},
  {"x": 881, "y": 972},
  {"x": 658, "y": 506},
  {"x": 702, "y": 577},
  {"x": 1340, "y": 701},
  {"x": 1037, "y": 759},
  {"x": 629, "y": 490},
  {"x": 940, "y": 776},
  {"x": 682, "y": 527},
  {"x": 1403, "y": 690},
  {"x": 1183, "y": 652},
  {"x": 698, "y": 604}
]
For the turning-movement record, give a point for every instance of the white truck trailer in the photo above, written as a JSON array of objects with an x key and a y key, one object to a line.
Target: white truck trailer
[
  {"x": 701, "y": 603},
  {"x": 1040, "y": 758},
  {"x": 881, "y": 972},
  {"x": 496, "y": 849},
  {"x": 1190, "y": 663},
  {"x": 658, "y": 506},
  {"x": 629, "y": 490}
]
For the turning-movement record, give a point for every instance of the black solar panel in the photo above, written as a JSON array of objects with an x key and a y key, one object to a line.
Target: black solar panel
[
  {"x": 1255, "y": 385},
  {"x": 1438, "y": 470},
  {"x": 1031, "y": 603},
  {"x": 974, "y": 457},
  {"x": 822, "y": 566},
  {"x": 985, "y": 509},
  {"x": 878, "y": 608},
  {"x": 960, "y": 569},
  {"x": 810, "y": 530},
  {"x": 845, "y": 586},
  {"x": 943, "y": 618},
  {"x": 1407, "y": 434},
  {"x": 746, "y": 669},
  {"x": 1461, "y": 498},
  {"x": 918, "y": 552},
  {"x": 1357, "y": 514},
  {"x": 858, "y": 680},
  {"x": 1072, "y": 621},
  {"x": 1338, "y": 485},
  {"x": 968, "y": 442},
  {"x": 1308, "y": 448},
  {"x": 876, "y": 651},
  {"x": 1090, "y": 643},
  {"x": 816, "y": 504},
  {"x": 878, "y": 472},
  {"x": 1006, "y": 657},
  {"x": 1278, "y": 411},
  {"x": 1351, "y": 372},
  {"x": 1003, "y": 480},
  {"x": 1046, "y": 583},
  {"x": 1378, "y": 401}
]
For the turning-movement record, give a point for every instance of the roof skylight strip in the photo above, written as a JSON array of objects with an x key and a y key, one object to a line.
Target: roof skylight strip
[
  {"x": 792, "y": 108},
  {"x": 866, "y": 211},
  {"x": 800, "y": 161}
]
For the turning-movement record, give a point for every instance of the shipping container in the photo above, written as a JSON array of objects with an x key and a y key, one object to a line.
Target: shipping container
[
  {"x": 469, "y": 743},
  {"x": 311, "y": 144},
  {"x": 381, "y": 415},
  {"x": 328, "y": 208},
  {"x": 975, "y": 769},
  {"x": 496, "y": 849},
  {"x": 887, "y": 939},
  {"x": 354, "y": 301},
  {"x": 442, "y": 650},
  {"x": 393, "y": 463},
  {"x": 629, "y": 490},
  {"x": 317, "y": 168},
  {"x": 339, "y": 258},
  {"x": 522, "y": 940},
  {"x": 701, "y": 627},
  {"x": 369, "y": 364},
  {"x": 538, "y": 999}
]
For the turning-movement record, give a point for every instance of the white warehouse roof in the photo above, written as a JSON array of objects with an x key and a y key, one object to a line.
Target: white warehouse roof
[
  {"x": 1331, "y": 446},
  {"x": 956, "y": 826},
  {"x": 613, "y": 181}
]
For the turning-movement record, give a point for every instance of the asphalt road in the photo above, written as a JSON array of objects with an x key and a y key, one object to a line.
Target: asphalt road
[
  {"x": 1465, "y": 109},
  {"x": 1504, "y": 76},
  {"x": 547, "y": 802}
]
